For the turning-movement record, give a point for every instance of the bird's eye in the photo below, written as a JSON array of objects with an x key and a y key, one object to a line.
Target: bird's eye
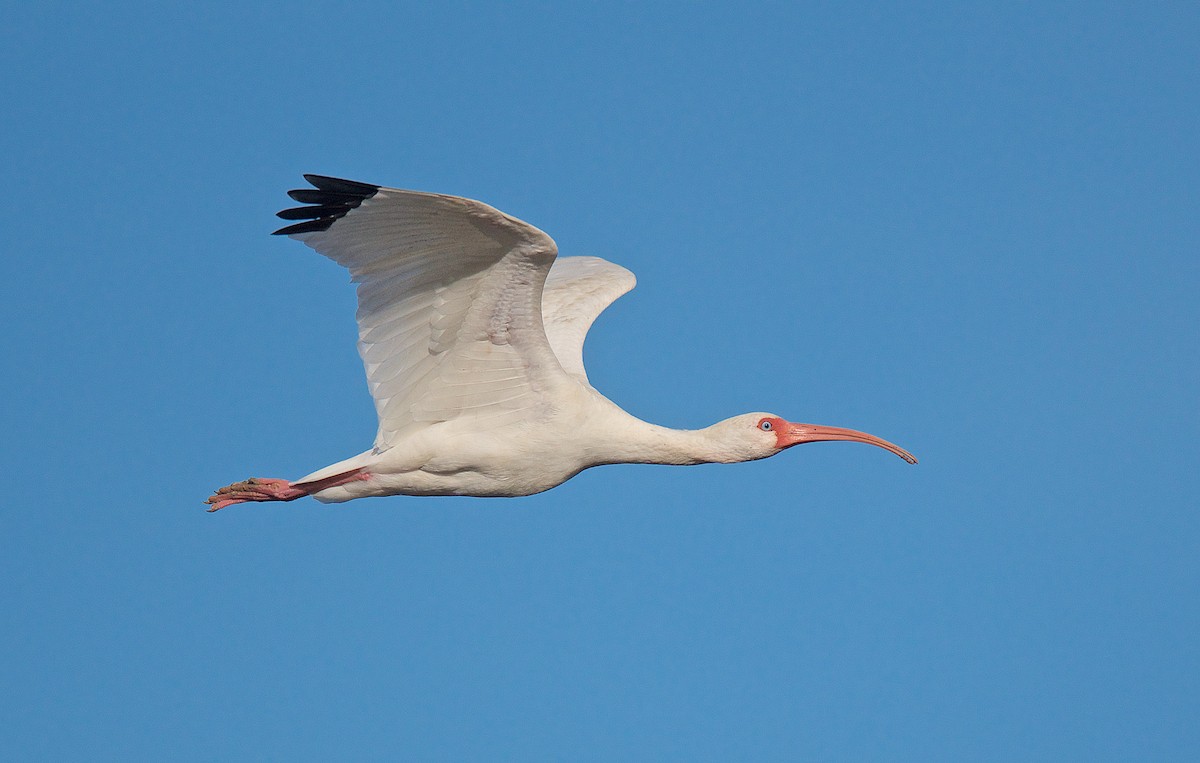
[{"x": 765, "y": 425}]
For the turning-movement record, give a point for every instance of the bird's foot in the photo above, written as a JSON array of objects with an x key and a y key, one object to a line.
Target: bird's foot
[
  {"x": 265, "y": 489},
  {"x": 255, "y": 489}
]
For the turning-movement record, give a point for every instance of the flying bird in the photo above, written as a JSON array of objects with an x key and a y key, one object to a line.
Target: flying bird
[{"x": 471, "y": 329}]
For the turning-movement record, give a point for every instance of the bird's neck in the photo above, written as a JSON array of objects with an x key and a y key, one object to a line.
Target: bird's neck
[{"x": 633, "y": 441}]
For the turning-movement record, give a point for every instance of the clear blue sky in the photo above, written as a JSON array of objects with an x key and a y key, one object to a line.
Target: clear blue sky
[{"x": 971, "y": 230}]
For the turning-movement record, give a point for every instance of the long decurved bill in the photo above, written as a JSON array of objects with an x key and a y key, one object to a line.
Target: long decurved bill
[{"x": 795, "y": 434}]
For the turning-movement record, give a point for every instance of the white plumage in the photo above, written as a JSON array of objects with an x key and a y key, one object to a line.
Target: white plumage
[{"x": 472, "y": 333}]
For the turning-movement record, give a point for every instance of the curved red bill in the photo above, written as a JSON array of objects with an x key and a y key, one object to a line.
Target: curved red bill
[{"x": 795, "y": 434}]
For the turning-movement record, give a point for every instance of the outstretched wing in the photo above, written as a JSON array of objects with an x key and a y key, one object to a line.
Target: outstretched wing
[
  {"x": 449, "y": 302},
  {"x": 577, "y": 291}
]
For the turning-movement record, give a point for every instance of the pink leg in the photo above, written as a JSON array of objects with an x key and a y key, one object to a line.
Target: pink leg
[{"x": 266, "y": 489}]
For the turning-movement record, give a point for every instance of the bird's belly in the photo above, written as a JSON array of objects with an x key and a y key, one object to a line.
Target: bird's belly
[
  {"x": 489, "y": 473},
  {"x": 469, "y": 483}
]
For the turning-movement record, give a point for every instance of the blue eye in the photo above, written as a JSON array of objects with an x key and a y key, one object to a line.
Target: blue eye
[{"x": 765, "y": 426}]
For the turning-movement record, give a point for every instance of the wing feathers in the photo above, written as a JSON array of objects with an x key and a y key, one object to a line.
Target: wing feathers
[
  {"x": 333, "y": 198},
  {"x": 309, "y": 213},
  {"x": 577, "y": 291},
  {"x": 317, "y": 196},
  {"x": 337, "y": 185},
  {"x": 311, "y": 226},
  {"x": 449, "y": 294}
]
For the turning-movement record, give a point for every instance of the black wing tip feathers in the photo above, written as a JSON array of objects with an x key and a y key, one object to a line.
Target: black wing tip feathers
[
  {"x": 329, "y": 199},
  {"x": 337, "y": 185}
]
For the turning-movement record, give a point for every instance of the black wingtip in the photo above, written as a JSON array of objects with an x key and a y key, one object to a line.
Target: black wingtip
[
  {"x": 338, "y": 185},
  {"x": 311, "y": 212},
  {"x": 308, "y": 226},
  {"x": 331, "y": 199},
  {"x": 315, "y": 196}
]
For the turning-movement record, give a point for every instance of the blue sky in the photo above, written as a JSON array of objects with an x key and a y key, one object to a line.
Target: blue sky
[{"x": 968, "y": 229}]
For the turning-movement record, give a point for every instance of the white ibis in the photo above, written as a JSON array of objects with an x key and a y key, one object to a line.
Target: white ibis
[{"x": 471, "y": 329}]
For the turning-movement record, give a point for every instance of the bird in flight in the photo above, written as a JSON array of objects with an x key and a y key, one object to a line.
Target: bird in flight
[{"x": 471, "y": 328}]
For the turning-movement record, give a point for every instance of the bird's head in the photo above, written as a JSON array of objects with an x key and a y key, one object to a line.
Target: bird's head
[{"x": 759, "y": 435}]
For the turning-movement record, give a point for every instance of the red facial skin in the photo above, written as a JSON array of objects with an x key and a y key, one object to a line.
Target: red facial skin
[{"x": 788, "y": 434}]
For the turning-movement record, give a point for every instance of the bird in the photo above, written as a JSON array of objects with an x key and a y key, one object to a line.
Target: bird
[{"x": 471, "y": 329}]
